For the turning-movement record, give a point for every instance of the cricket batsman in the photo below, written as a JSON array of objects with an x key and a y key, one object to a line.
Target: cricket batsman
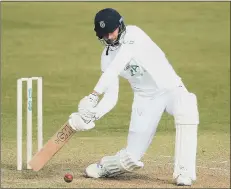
[{"x": 130, "y": 53}]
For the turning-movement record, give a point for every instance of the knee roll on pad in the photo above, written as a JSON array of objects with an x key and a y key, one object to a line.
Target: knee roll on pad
[
  {"x": 120, "y": 163},
  {"x": 186, "y": 111}
]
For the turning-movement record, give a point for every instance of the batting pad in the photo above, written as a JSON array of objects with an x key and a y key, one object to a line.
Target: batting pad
[
  {"x": 120, "y": 163},
  {"x": 185, "y": 151}
]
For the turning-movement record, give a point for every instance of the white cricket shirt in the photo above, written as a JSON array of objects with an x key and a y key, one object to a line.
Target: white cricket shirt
[{"x": 141, "y": 62}]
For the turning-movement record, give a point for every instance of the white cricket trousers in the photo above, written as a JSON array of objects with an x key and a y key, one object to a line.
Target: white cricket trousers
[{"x": 146, "y": 114}]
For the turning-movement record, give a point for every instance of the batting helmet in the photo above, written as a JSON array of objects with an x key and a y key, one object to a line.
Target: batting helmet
[{"x": 107, "y": 21}]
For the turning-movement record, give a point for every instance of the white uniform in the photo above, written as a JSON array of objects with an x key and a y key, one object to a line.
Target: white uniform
[{"x": 157, "y": 88}]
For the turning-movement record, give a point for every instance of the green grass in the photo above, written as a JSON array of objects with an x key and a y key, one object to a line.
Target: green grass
[{"x": 56, "y": 40}]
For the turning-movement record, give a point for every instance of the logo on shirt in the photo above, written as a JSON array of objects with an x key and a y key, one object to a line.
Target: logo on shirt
[
  {"x": 134, "y": 69},
  {"x": 127, "y": 67},
  {"x": 102, "y": 24}
]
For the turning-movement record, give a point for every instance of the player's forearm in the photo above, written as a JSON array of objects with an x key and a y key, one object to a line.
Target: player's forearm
[
  {"x": 95, "y": 93},
  {"x": 106, "y": 79},
  {"x": 106, "y": 105},
  {"x": 109, "y": 99}
]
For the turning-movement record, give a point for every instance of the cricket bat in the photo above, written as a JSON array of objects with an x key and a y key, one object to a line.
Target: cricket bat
[{"x": 52, "y": 147}]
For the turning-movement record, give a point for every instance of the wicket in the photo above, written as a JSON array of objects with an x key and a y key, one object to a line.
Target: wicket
[{"x": 29, "y": 118}]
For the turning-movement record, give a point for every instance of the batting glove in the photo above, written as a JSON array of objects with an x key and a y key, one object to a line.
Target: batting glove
[{"x": 86, "y": 107}]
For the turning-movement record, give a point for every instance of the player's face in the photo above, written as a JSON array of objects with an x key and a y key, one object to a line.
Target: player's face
[{"x": 111, "y": 37}]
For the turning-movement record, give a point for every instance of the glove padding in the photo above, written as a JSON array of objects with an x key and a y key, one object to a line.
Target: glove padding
[
  {"x": 78, "y": 124},
  {"x": 86, "y": 108},
  {"x": 88, "y": 115},
  {"x": 89, "y": 101}
]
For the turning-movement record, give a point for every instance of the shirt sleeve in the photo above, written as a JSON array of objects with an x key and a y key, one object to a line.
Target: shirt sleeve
[
  {"x": 109, "y": 99},
  {"x": 117, "y": 65}
]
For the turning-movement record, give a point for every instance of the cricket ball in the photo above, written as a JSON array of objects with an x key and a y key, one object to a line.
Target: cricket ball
[{"x": 68, "y": 177}]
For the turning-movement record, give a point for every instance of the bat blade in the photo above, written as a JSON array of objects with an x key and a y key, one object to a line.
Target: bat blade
[{"x": 58, "y": 140}]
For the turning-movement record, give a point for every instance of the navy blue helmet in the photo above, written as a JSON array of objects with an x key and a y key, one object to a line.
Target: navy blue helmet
[{"x": 107, "y": 21}]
